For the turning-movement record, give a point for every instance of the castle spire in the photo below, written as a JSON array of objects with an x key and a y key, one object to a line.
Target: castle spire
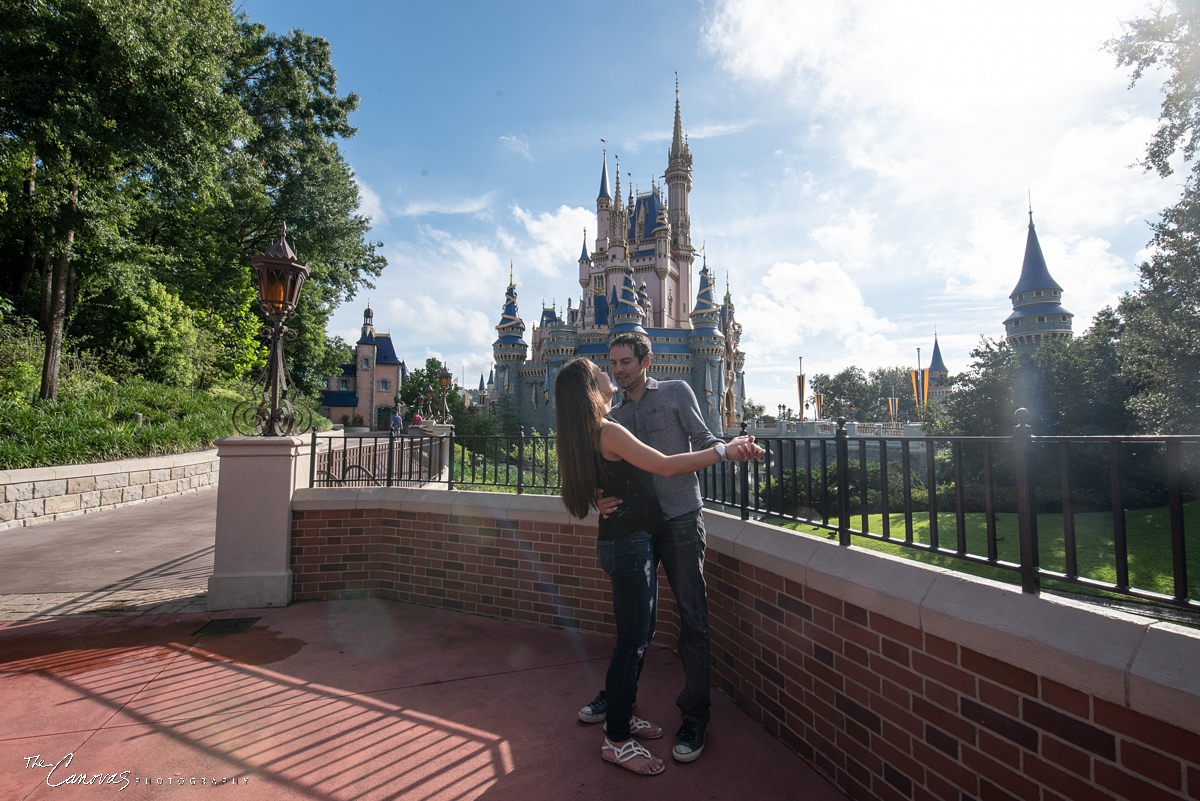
[
  {"x": 677, "y": 145},
  {"x": 604, "y": 177}
]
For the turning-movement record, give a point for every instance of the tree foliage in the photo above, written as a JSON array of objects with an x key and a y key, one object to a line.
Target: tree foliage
[
  {"x": 1160, "y": 341},
  {"x": 1158, "y": 346},
  {"x": 1168, "y": 39},
  {"x": 170, "y": 142},
  {"x": 856, "y": 395},
  {"x": 424, "y": 380}
]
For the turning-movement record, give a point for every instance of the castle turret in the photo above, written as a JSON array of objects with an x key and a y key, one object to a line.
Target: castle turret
[
  {"x": 603, "y": 210},
  {"x": 509, "y": 349},
  {"x": 585, "y": 264},
  {"x": 629, "y": 315},
  {"x": 368, "y": 326},
  {"x": 938, "y": 374},
  {"x": 679, "y": 188},
  {"x": 1038, "y": 315}
]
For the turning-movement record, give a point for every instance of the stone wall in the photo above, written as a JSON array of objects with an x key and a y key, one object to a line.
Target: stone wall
[
  {"x": 896, "y": 679},
  {"x": 39, "y": 494}
]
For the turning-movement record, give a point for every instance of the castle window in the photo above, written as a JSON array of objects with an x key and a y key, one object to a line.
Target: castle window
[
  {"x": 1041, "y": 319},
  {"x": 366, "y": 363},
  {"x": 1016, "y": 323},
  {"x": 1037, "y": 294},
  {"x": 384, "y": 385},
  {"x": 343, "y": 383}
]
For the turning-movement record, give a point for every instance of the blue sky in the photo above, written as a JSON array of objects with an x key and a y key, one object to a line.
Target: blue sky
[{"x": 861, "y": 167}]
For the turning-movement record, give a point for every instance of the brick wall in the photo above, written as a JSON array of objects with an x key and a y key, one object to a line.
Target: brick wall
[
  {"x": 897, "y": 680},
  {"x": 48, "y": 493}
]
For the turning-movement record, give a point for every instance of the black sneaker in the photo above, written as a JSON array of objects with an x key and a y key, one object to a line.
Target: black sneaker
[
  {"x": 595, "y": 711},
  {"x": 689, "y": 741}
]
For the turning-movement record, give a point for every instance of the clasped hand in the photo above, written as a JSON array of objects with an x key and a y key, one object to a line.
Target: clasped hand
[{"x": 738, "y": 449}]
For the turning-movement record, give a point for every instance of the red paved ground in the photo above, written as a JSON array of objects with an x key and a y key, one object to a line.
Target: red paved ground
[{"x": 347, "y": 700}]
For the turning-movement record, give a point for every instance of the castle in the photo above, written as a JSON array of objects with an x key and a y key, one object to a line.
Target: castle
[
  {"x": 1037, "y": 315},
  {"x": 637, "y": 277},
  {"x": 365, "y": 391}
]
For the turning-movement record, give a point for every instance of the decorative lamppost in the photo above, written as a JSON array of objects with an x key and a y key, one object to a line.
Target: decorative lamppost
[
  {"x": 280, "y": 277},
  {"x": 444, "y": 378}
]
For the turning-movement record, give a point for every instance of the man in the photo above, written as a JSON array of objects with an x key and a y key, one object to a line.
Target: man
[{"x": 666, "y": 416}]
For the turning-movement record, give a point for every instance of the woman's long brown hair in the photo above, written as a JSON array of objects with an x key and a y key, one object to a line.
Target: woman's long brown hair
[{"x": 579, "y": 408}]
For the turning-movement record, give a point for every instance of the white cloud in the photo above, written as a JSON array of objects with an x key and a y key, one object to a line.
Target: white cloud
[
  {"x": 518, "y": 145},
  {"x": 469, "y": 205},
  {"x": 553, "y": 241},
  {"x": 369, "y": 203},
  {"x": 801, "y": 301}
]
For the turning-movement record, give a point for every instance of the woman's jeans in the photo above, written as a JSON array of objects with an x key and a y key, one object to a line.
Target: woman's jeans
[{"x": 629, "y": 563}]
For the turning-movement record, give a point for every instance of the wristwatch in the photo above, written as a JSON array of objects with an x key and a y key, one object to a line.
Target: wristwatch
[{"x": 720, "y": 449}]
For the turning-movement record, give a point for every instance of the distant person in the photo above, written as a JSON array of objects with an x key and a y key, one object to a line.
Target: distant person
[
  {"x": 397, "y": 423},
  {"x": 416, "y": 421},
  {"x": 595, "y": 452}
]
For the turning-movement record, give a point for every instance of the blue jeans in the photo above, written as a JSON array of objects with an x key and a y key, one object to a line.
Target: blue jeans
[
  {"x": 629, "y": 563},
  {"x": 681, "y": 549}
]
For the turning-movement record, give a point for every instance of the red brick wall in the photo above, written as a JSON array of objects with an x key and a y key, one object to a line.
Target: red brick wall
[
  {"x": 891, "y": 712},
  {"x": 886, "y": 710},
  {"x": 527, "y": 570}
]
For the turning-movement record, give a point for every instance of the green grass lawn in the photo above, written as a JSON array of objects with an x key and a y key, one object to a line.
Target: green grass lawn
[{"x": 1148, "y": 535}]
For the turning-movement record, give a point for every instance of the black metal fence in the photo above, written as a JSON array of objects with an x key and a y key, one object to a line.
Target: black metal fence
[
  {"x": 1113, "y": 514},
  {"x": 502, "y": 463}
]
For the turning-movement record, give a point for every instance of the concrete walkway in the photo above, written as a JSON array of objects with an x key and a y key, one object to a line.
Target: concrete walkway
[
  {"x": 148, "y": 558},
  {"x": 332, "y": 700}
]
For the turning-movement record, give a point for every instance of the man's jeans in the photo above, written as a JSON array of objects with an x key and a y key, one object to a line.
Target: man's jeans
[
  {"x": 629, "y": 563},
  {"x": 680, "y": 548}
]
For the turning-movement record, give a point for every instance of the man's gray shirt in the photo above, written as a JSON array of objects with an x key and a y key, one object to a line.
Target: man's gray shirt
[{"x": 667, "y": 418}]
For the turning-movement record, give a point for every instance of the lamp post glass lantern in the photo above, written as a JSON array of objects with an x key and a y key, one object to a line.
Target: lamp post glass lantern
[
  {"x": 444, "y": 378},
  {"x": 270, "y": 413}
]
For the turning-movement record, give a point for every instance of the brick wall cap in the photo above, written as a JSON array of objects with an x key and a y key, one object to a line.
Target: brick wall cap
[
  {"x": 1077, "y": 644},
  {"x": 1163, "y": 680},
  {"x": 482, "y": 504},
  {"x": 324, "y": 498},
  {"x": 769, "y": 548},
  {"x": 881, "y": 583},
  {"x": 546, "y": 509}
]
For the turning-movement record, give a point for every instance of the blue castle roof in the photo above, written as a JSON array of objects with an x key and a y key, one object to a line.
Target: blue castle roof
[
  {"x": 1037, "y": 309},
  {"x": 1034, "y": 273},
  {"x": 604, "y": 192},
  {"x": 651, "y": 204},
  {"x": 936, "y": 364}
]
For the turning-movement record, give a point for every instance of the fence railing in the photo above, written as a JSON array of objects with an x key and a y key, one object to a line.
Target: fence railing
[
  {"x": 1114, "y": 514},
  {"x": 520, "y": 463}
]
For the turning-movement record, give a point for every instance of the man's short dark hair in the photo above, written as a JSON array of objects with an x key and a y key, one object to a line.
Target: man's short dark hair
[{"x": 636, "y": 341}]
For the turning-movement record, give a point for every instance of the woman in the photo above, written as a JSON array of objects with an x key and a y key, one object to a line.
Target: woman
[{"x": 594, "y": 452}]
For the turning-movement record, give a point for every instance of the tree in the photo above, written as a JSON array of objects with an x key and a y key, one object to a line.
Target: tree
[
  {"x": 752, "y": 410},
  {"x": 287, "y": 168},
  {"x": 845, "y": 394},
  {"x": 1170, "y": 39},
  {"x": 426, "y": 378},
  {"x": 890, "y": 382},
  {"x": 981, "y": 400},
  {"x": 95, "y": 93},
  {"x": 1159, "y": 343}
]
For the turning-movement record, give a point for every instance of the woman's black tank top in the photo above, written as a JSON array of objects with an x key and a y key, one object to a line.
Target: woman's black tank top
[{"x": 639, "y": 510}]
